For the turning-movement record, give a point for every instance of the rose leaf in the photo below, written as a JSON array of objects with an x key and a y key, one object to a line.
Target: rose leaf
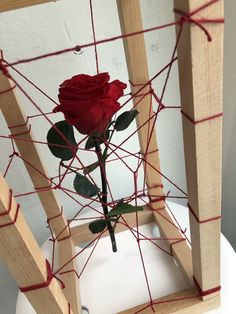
[
  {"x": 103, "y": 137},
  {"x": 123, "y": 208},
  {"x": 57, "y": 144},
  {"x": 125, "y": 119},
  {"x": 97, "y": 226},
  {"x": 91, "y": 167},
  {"x": 84, "y": 187}
]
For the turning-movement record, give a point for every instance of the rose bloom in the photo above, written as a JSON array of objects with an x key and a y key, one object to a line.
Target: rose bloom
[{"x": 89, "y": 102}]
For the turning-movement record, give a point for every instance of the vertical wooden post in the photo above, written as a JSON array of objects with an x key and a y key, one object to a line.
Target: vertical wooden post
[
  {"x": 200, "y": 74},
  {"x": 135, "y": 51},
  {"x": 24, "y": 259}
]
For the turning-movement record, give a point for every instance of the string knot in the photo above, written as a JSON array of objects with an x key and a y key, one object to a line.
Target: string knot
[
  {"x": 188, "y": 18},
  {"x": 14, "y": 154},
  {"x": 50, "y": 276},
  {"x": 2, "y": 65},
  {"x": 4, "y": 69}
]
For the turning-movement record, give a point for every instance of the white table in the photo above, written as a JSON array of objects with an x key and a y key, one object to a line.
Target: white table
[{"x": 122, "y": 278}]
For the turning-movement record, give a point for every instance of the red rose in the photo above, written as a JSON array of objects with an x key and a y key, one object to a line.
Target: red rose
[{"x": 89, "y": 102}]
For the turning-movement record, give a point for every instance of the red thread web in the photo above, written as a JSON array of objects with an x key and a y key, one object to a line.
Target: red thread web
[{"x": 118, "y": 151}]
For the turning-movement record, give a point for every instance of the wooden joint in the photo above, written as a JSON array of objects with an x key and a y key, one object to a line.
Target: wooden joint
[{"x": 44, "y": 284}]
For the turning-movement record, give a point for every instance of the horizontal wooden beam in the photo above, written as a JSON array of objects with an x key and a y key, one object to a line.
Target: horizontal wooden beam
[
  {"x": 189, "y": 304},
  {"x": 81, "y": 234},
  {"x": 8, "y": 5}
]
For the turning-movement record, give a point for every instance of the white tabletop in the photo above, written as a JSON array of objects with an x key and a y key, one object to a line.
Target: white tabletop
[{"x": 112, "y": 282}]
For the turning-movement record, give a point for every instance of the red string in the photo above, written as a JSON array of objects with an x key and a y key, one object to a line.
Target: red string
[
  {"x": 7, "y": 90},
  {"x": 54, "y": 217},
  {"x": 65, "y": 237},
  {"x": 8, "y": 210},
  {"x": 207, "y": 292},
  {"x": 202, "y": 221},
  {"x": 91, "y": 44},
  {"x": 203, "y": 119},
  {"x": 50, "y": 276},
  {"x": 140, "y": 159},
  {"x": 186, "y": 17},
  {"x": 172, "y": 243},
  {"x": 165, "y": 301},
  {"x": 3, "y": 66},
  {"x": 94, "y": 35}
]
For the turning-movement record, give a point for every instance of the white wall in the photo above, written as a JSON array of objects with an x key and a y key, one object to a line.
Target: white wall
[
  {"x": 229, "y": 125},
  {"x": 37, "y": 30}
]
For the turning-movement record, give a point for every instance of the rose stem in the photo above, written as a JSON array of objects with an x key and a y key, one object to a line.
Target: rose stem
[{"x": 104, "y": 193}]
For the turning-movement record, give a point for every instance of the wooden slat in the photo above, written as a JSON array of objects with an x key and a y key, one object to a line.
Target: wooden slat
[
  {"x": 131, "y": 21},
  {"x": 24, "y": 259},
  {"x": 81, "y": 234},
  {"x": 66, "y": 251},
  {"x": 8, "y": 5},
  {"x": 200, "y": 75},
  {"x": 191, "y": 305},
  {"x": 13, "y": 114},
  {"x": 181, "y": 251}
]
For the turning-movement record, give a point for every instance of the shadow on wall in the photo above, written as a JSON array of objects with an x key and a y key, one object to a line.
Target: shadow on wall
[{"x": 229, "y": 126}]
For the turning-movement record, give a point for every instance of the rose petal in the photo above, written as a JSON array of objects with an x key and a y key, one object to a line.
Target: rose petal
[{"x": 116, "y": 89}]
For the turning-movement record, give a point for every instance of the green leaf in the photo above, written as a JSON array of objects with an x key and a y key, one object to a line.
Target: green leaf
[
  {"x": 102, "y": 138},
  {"x": 97, "y": 226},
  {"x": 84, "y": 187},
  {"x": 121, "y": 209},
  {"x": 53, "y": 137},
  {"x": 125, "y": 119},
  {"x": 91, "y": 167}
]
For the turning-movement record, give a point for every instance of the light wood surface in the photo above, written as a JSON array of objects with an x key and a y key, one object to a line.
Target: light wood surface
[
  {"x": 66, "y": 250},
  {"x": 81, "y": 234},
  {"x": 24, "y": 259},
  {"x": 7, "y": 5},
  {"x": 136, "y": 59},
  {"x": 200, "y": 75},
  {"x": 192, "y": 305},
  {"x": 14, "y": 115},
  {"x": 181, "y": 250},
  {"x": 131, "y": 20}
]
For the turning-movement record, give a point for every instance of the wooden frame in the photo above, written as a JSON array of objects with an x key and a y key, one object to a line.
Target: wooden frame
[{"x": 200, "y": 73}]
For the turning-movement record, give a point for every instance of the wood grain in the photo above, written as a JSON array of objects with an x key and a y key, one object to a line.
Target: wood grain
[
  {"x": 66, "y": 251},
  {"x": 81, "y": 234},
  {"x": 131, "y": 21},
  {"x": 200, "y": 76},
  {"x": 24, "y": 259},
  {"x": 181, "y": 250},
  {"x": 14, "y": 115},
  {"x": 136, "y": 59},
  {"x": 191, "y": 305},
  {"x": 8, "y": 5}
]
